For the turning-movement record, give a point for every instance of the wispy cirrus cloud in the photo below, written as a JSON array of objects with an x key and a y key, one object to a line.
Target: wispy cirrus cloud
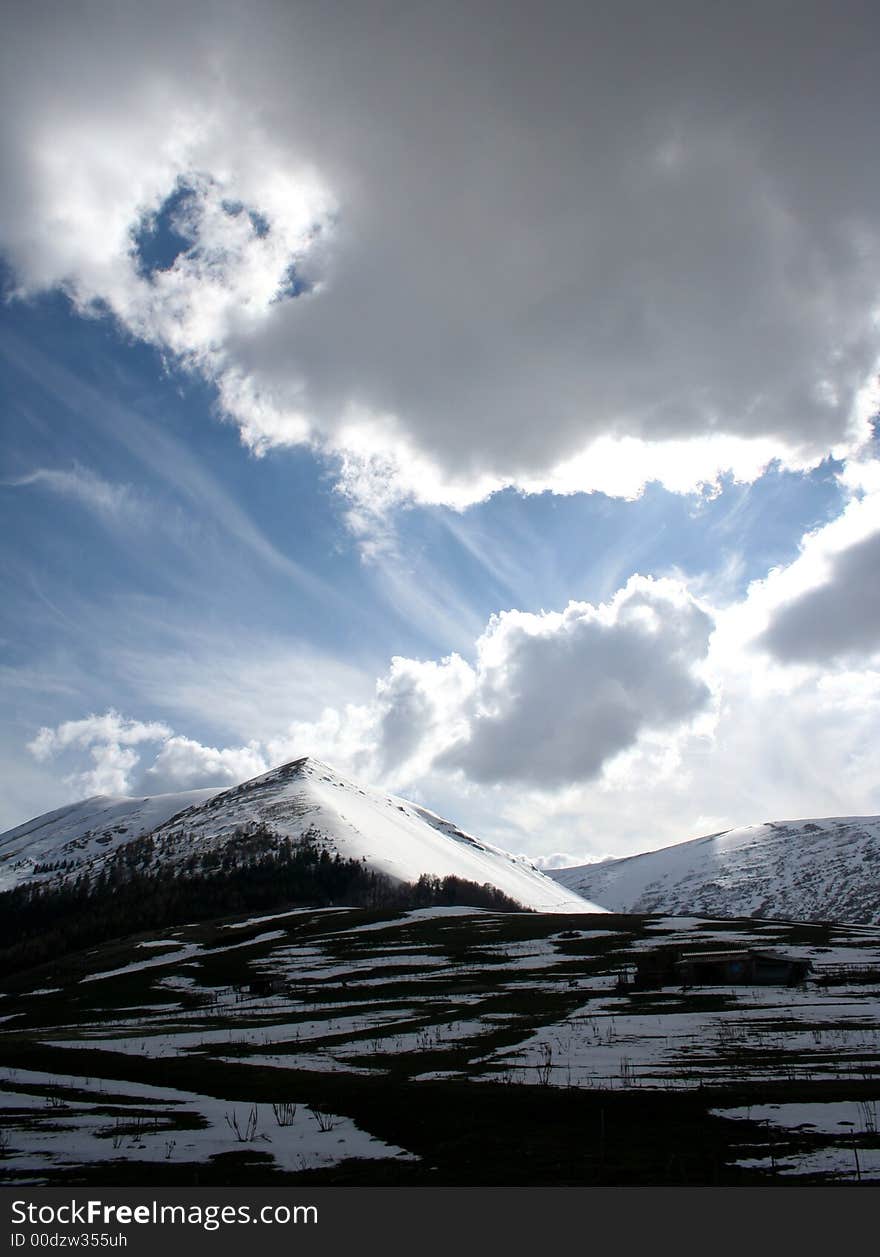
[
  {"x": 168, "y": 459},
  {"x": 111, "y": 501}
]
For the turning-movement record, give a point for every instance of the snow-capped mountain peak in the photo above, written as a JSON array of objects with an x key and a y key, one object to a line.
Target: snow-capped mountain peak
[{"x": 301, "y": 799}]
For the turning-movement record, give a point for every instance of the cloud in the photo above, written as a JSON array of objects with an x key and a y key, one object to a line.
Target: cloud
[
  {"x": 110, "y": 740},
  {"x": 550, "y": 699},
  {"x": 107, "y": 499},
  {"x": 420, "y": 709},
  {"x": 556, "y": 860},
  {"x": 590, "y": 254},
  {"x": 558, "y": 695},
  {"x": 839, "y": 618},
  {"x": 232, "y": 680},
  {"x": 183, "y": 764},
  {"x": 813, "y": 753},
  {"x": 819, "y": 612},
  {"x": 179, "y": 763},
  {"x": 111, "y": 727}
]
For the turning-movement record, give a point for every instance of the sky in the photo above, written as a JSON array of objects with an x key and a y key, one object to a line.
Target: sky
[{"x": 482, "y": 398}]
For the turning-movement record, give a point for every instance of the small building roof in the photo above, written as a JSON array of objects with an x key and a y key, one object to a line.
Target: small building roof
[
  {"x": 712, "y": 956},
  {"x": 756, "y": 953}
]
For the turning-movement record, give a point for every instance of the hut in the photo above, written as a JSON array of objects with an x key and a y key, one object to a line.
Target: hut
[
  {"x": 760, "y": 968},
  {"x": 664, "y": 966}
]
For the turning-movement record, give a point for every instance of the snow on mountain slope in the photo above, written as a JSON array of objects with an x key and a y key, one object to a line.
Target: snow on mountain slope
[
  {"x": 85, "y": 831},
  {"x": 805, "y": 870},
  {"x": 391, "y": 835}
]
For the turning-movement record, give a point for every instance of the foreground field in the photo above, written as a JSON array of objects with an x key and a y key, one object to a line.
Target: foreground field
[{"x": 441, "y": 1046}]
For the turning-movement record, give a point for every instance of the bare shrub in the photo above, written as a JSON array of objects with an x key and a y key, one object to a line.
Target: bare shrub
[
  {"x": 285, "y": 1114},
  {"x": 326, "y": 1121},
  {"x": 545, "y": 1069},
  {"x": 246, "y": 1135}
]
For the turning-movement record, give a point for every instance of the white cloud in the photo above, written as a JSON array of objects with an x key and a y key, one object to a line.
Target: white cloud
[
  {"x": 110, "y": 728},
  {"x": 558, "y": 695},
  {"x": 825, "y": 607},
  {"x": 115, "y": 745},
  {"x": 586, "y": 256},
  {"x": 822, "y": 605},
  {"x": 341, "y": 735},
  {"x": 839, "y": 618},
  {"x": 183, "y": 764},
  {"x": 813, "y": 754},
  {"x": 556, "y": 860},
  {"x": 110, "y": 740},
  {"x": 551, "y": 699},
  {"x": 421, "y": 710}
]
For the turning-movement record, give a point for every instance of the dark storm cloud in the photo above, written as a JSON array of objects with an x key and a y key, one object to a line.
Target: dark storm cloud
[{"x": 554, "y": 222}]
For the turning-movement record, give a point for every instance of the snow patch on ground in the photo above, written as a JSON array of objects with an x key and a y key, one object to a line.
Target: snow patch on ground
[{"x": 151, "y": 1124}]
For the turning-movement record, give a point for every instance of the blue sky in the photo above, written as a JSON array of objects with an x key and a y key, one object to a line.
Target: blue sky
[{"x": 324, "y": 432}]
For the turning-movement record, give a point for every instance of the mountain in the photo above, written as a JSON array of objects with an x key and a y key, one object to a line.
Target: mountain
[
  {"x": 301, "y": 800},
  {"x": 83, "y": 834},
  {"x": 805, "y": 870}
]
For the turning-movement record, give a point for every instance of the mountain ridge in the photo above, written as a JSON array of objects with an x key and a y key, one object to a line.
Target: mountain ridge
[{"x": 813, "y": 869}]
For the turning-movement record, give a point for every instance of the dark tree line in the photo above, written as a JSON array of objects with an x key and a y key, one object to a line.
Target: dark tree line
[{"x": 254, "y": 869}]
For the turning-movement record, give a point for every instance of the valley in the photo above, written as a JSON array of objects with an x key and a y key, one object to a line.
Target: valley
[{"x": 442, "y": 1045}]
